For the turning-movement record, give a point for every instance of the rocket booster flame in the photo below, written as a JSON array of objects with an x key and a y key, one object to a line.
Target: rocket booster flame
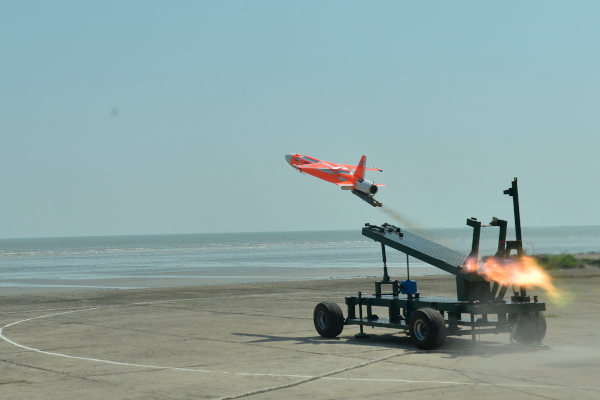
[{"x": 523, "y": 271}]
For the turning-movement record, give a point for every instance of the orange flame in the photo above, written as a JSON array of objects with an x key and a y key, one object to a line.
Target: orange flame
[{"x": 524, "y": 271}]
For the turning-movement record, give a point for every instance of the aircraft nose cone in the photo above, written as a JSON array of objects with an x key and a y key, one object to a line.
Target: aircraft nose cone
[{"x": 288, "y": 158}]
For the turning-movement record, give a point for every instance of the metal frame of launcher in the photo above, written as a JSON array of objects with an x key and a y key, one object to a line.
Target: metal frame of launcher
[{"x": 479, "y": 307}]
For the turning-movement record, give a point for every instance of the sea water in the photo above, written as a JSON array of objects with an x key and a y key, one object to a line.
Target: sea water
[{"x": 171, "y": 260}]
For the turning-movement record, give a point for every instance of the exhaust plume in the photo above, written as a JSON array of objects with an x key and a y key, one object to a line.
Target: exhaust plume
[{"x": 524, "y": 271}]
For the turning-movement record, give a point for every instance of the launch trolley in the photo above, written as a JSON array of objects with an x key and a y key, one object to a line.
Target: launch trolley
[{"x": 479, "y": 308}]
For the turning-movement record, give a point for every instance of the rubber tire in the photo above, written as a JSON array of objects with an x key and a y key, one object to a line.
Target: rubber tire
[
  {"x": 431, "y": 326},
  {"x": 329, "y": 319},
  {"x": 526, "y": 331}
]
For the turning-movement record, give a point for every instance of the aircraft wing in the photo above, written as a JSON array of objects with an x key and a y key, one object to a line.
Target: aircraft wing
[
  {"x": 320, "y": 166},
  {"x": 351, "y": 184},
  {"x": 356, "y": 166}
]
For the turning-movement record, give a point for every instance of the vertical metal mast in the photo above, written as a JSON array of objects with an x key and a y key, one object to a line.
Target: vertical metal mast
[{"x": 514, "y": 192}]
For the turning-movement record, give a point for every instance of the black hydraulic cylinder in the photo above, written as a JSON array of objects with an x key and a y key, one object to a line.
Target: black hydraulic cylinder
[
  {"x": 503, "y": 290},
  {"x": 360, "y": 311},
  {"x": 495, "y": 287}
]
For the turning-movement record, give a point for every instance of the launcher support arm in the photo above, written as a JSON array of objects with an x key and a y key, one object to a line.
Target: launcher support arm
[{"x": 422, "y": 249}]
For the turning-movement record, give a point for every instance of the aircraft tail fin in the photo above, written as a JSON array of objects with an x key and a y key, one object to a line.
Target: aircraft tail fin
[{"x": 360, "y": 170}]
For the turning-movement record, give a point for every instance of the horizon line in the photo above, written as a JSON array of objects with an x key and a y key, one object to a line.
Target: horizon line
[{"x": 258, "y": 232}]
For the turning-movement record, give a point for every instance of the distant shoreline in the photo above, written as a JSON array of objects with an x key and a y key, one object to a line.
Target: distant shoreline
[
  {"x": 372, "y": 273},
  {"x": 132, "y": 235}
]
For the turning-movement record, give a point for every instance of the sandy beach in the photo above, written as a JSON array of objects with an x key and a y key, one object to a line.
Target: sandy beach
[{"x": 257, "y": 340}]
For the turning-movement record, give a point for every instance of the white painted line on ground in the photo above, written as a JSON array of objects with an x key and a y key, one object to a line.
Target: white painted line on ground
[
  {"x": 456, "y": 383},
  {"x": 273, "y": 375},
  {"x": 162, "y": 301},
  {"x": 44, "y": 310},
  {"x": 82, "y": 358},
  {"x": 312, "y": 378},
  {"x": 307, "y": 378}
]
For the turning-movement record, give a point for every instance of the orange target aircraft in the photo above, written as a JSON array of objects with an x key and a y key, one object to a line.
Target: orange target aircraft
[{"x": 340, "y": 174}]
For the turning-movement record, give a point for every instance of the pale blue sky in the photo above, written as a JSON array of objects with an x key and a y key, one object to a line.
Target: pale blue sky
[{"x": 451, "y": 99}]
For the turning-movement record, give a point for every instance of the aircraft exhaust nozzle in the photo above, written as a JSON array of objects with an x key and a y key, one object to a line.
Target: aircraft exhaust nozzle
[{"x": 367, "y": 187}]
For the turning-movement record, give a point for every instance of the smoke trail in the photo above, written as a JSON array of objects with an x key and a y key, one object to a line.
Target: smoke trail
[{"x": 405, "y": 222}]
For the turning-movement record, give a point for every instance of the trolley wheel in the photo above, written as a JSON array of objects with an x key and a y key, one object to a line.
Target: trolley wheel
[
  {"x": 528, "y": 328},
  {"x": 427, "y": 329},
  {"x": 329, "y": 319}
]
